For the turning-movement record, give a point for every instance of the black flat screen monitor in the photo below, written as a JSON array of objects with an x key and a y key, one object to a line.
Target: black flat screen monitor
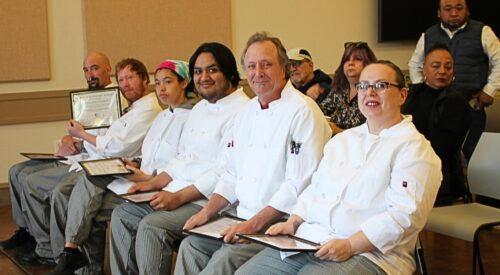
[{"x": 406, "y": 20}]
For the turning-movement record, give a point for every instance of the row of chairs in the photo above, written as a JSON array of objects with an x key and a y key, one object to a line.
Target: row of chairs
[{"x": 466, "y": 221}]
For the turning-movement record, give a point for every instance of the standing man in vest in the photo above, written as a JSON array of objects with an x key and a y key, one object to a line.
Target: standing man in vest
[{"x": 474, "y": 47}]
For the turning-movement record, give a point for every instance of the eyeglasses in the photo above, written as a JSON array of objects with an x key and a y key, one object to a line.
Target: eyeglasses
[
  {"x": 378, "y": 87},
  {"x": 359, "y": 44}
]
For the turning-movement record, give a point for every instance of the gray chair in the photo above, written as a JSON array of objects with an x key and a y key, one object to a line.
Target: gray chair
[{"x": 465, "y": 221}]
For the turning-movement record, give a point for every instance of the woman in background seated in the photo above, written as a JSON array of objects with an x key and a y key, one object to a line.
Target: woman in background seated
[
  {"x": 443, "y": 117},
  {"x": 341, "y": 104}
]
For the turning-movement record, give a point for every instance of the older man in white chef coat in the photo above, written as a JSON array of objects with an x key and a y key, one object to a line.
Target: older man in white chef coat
[
  {"x": 371, "y": 195},
  {"x": 276, "y": 146}
]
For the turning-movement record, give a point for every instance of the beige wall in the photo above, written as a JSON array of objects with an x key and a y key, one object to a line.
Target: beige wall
[{"x": 322, "y": 26}]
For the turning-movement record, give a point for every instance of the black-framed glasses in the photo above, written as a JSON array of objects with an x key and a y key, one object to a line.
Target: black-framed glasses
[
  {"x": 378, "y": 87},
  {"x": 359, "y": 44}
]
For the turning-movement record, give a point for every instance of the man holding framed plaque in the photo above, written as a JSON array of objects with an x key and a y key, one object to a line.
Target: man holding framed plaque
[
  {"x": 97, "y": 72},
  {"x": 51, "y": 189},
  {"x": 96, "y": 108},
  {"x": 81, "y": 241}
]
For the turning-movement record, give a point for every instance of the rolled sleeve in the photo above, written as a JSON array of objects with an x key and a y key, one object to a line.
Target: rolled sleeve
[
  {"x": 226, "y": 189},
  {"x": 491, "y": 46},
  {"x": 416, "y": 63},
  {"x": 206, "y": 183}
]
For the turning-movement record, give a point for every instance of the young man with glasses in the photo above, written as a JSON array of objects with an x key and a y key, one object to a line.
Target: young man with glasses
[
  {"x": 370, "y": 196},
  {"x": 304, "y": 78}
]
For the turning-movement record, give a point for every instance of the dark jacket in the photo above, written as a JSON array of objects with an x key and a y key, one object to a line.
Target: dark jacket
[
  {"x": 323, "y": 80},
  {"x": 471, "y": 64},
  {"x": 445, "y": 124}
]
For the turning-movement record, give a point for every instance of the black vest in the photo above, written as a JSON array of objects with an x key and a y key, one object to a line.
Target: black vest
[{"x": 470, "y": 63}]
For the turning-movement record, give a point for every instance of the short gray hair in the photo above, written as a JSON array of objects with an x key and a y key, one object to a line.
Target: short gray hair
[{"x": 264, "y": 36}]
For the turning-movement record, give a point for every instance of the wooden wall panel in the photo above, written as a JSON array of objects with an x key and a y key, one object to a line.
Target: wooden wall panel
[
  {"x": 24, "y": 50},
  {"x": 153, "y": 30},
  {"x": 45, "y": 106},
  {"x": 34, "y": 107}
]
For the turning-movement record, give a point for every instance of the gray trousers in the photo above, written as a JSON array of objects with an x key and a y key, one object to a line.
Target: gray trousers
[
  {"x": 81, "y": 219},
  {"x": 142, "y": 239},
  {"x": 268, "y": 261},
  {"x": 37, "y": 204},
  {"x": 199, "y": 255},
  {"x": 17, "y": 179}
]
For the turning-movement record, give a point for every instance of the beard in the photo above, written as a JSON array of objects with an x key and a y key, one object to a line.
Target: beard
[
  {"x": 217, "y": 94},
  {"x": 93, "y": 83}
]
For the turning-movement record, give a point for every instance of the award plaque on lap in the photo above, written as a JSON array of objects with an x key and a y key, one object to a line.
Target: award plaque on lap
[
  {"x": 140, "y": 197},
  {"x": 212, "y": 229},
  {"x": 42, "y": 156},
  {"x": 285, "y": 243},
  {"x": 105, "y": 167},
  {"x": 96, "y": 108}
]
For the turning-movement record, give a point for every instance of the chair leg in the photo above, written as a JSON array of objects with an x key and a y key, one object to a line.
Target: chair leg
[
  {"x": 419, "y": 254},
  {"x": 476, "y": 254}
]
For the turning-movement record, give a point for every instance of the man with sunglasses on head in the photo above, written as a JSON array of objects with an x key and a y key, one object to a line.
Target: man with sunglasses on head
[
  {"x": 370, "y": 196},
  {"x": 475, "y": 48},
  {"x": 304, "y": 78}
]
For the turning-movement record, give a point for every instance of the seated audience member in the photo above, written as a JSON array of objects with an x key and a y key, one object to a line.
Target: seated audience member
[
  {"x": 143, "y": 235},
  {"x": 304, "y": 78},
  {"x": 97, "y": 72},
  {"x": 370, "y": 196},
  {"x": 47, "y": 193},
  {"x": 443, "y": 117},
  {"x": 90, "y": 206},
  {"x": 276, "y": 145},
  {"x": 341, "y": 102}
]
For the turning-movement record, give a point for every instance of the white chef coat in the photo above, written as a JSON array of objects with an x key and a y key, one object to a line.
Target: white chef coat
[
  {"x": 125, "y": 136},
  {"x": 263, "y": 167},
  {"x": 383, "y": 185},
  {"x": 205, "y": 134},
  {"x": 160, "y": 144},
  {"x": 162, "y": 140}
]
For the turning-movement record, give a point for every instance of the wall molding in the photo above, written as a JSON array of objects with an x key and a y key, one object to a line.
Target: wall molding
[
  {"x": 46, "y": 106},
  {"x": 29, "y": 107}
]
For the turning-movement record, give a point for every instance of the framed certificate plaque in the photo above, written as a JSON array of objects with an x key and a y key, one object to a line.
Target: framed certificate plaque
[
  {"x": 96, "y": 108},
  {"x": 285, "y": 243},
  {"x": 105, "y": 167}
]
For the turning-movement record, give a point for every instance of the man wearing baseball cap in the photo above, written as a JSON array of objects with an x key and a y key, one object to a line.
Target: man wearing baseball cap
[{"x": 303, "y": 76}]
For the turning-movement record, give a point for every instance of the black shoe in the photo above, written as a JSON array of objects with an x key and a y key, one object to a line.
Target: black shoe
[
  {"x": 31, "y": 258},
  {"x": 20, "y": 237},
  {"x": 69, "y": 262}
]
